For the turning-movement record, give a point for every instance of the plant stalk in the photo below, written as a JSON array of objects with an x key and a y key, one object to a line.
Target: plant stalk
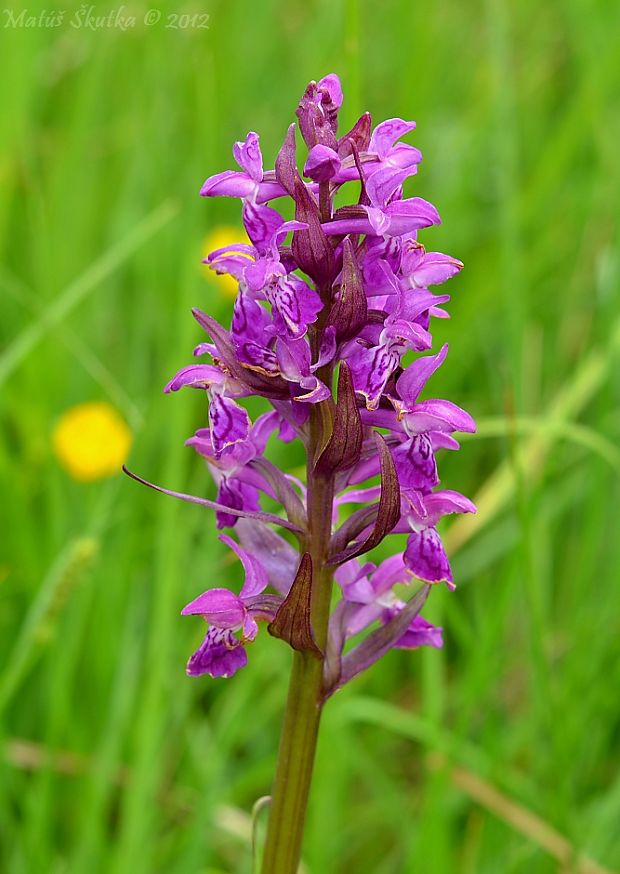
[{"x": 291, "y": 788}]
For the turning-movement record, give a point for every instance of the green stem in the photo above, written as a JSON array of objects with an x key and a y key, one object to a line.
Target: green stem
[
  {"x": 289, "y": 797},
  {"x": 291, "y": 788}
]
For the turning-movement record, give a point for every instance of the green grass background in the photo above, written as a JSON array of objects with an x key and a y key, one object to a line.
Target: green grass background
[{"x": 498, "y": 754}]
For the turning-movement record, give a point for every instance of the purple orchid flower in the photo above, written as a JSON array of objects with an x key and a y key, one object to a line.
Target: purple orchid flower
[
  {"x": 388, "y": 212},
  {"x": 373, "y": 365},
  {"x": 252, "y": 184},
  {"x": 380, "y": 152},
  {"x": 239, "y": 485},
  {"x": 222, "y": 652},
  {"x": 261, "y": 272},
  {"x": 368, "y": 596},
  {"x": 431, "y": 415},
  {"x": 229, "y": 423},
  {"x": 321, "y": 329},
  {"x": 425, "y": 556},
  {"x": 294, "y": 358}
]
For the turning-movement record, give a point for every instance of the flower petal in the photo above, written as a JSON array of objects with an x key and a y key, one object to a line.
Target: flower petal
[
  {"x": 255, "y": 574},
  {"x": 228, "y": 421},
  {"x": 220, "y": 607},
  {"x": 248, "y": 156},
  {"x": 219, "y": 655},
  {"x": 322, "y": 163},
  {"x": 414, "y": 378},
  {"x": 415, "y": 463},
  {"x": 230, "y": 183},
  {"x": 385, "y": 135},
  {"x": 426, "y": 558}
]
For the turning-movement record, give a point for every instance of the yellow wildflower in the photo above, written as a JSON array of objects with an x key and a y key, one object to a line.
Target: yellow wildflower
[
  {"x": 223, "y": 235},
  {"x": 91, "y": 441}
]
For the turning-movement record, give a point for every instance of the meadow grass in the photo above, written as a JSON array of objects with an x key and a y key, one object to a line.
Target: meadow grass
[{"x": 497, "y": 754}]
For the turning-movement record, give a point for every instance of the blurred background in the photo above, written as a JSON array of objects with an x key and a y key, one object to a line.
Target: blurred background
[{"x": 497, "y": 754}]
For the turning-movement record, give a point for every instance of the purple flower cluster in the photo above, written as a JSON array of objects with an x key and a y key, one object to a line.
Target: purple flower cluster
[{"x": 335, "y": 295}]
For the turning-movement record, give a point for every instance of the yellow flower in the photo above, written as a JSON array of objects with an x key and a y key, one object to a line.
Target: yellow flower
[
  {"x": 91, "y": 441},
  {"x": 223, "y": 235}
]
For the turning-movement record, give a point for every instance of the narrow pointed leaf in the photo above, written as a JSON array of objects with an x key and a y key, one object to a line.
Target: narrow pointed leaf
[
  {"x": 353, "y": 527},
  {"x": 310, "y": 247},
  {"x": 388, "y": 512},
  {"x": 293, "y": 621},
  {"x": 358, "y": 135},
  {"x": 349, "y": 313},
  {"x": 285, "y": 167},
  {"x": 345, "y": 444}
]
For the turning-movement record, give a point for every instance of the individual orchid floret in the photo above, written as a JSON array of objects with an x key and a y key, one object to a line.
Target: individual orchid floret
[
  {"x": 431, "y": 415},
  {"x": 374, "y": 365},
  {"x": 261, "y": 272},
  {"x": 294, "y": 358},
  {"x": 420, "y": 268},
  {"x": 229, "y": 423},
  {"x": 379, "y": 150},
  {"x": 399, "y": 216},
  {"x": 250, "y": 183},
  {"x": 368, "y": 595},
  {"x": 232, "y": 619},
  {"x": 425, "y": 555},
  {"x": 252, "y": 331},
  {"x": 238, "y": 483}
]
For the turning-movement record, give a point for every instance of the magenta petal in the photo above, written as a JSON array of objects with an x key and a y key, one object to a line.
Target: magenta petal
[
  {"x": 385, "y": 135},
  {"x": 219, "y": 655},
  {"x": 391, "y": 571},
  {"x": 255, "y": 573},
  {"x": 295, "y": 306},
  {"x": 436, "y": 268},
  {"x": 331, "y": 84},
  {"x": 233, "y": 264},
  {"x": 219, "y": 607},
  {"x": 415, "y": 377},
  {"x": 248, "y": 156},
  {"x": 236, "y": 495},
  {"x": 448, "y": 416},
  {"x": 230, "y": 183},
  {"x": 426, "y": 558},
  {"x": 371, "y": 370},
  {"x": 420, "y": 633},
  {"x": 415, "y": 463},
  {"x": 384, "y": 182},
  {"x": 250, "y": 320},
  {"x": 403, "y": 155},
  {"x": 411, "y": 214},
  {"x": 444, "y": 502},
  {"x": 261, "y": 223},
  {"x": 196, "y": 376},
  {"x": 277, "y": 556},
  {"x": 322, "y": 163},
  {"x": 379, "y": 222}
]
